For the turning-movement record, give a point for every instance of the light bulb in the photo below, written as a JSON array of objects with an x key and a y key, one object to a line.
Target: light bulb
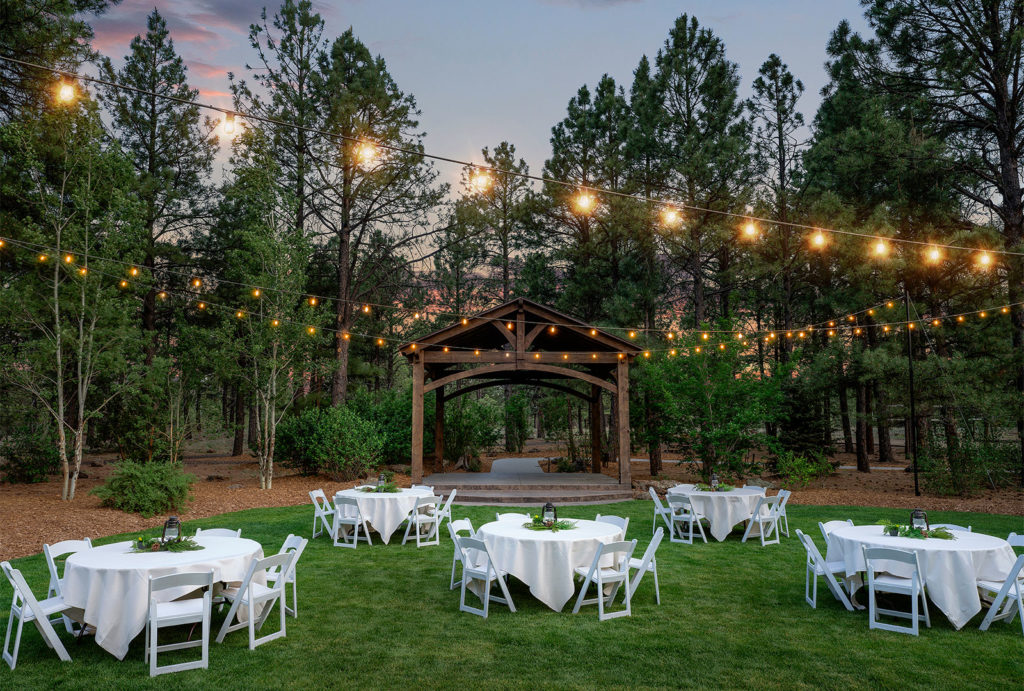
[
  {"x": 671, "y": 217},
  {"x": 584, "y": 202},
  {"x": 229, "y": 123},
  {"x": 818, "y": 239},
  {"x": 881, "y": 248},
  {"x": 984, "y": 260},
  {"x": 366, "y": 153},
  {"x": 66, "y": 92},
  {"x": 481, "y": 181},
  {"x": 750, "y": 230},
  {"x": 933, "y": 254}
]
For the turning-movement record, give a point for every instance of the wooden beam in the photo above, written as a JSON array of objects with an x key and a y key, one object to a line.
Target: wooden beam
[
  {"x": 417, "y": 420},
  {"x": 487, "y": 356},
  {"x": 595, "y": 428},
  {"x": 622, "y": 424},
  {"x": 511, "y": 367},
  {"x": 509, "y": 336},
  {"x": 543, "y": 383},
  {"x": 439, "y": 429},
  {"x": 532, "y": 336}
]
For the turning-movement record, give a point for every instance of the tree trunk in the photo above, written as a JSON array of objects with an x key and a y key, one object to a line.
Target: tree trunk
[
  {"x": 199, "y": 409},
  {"x": 253, "y": 442},
  {"x": 884, "y": 441},
  {"x": 869, "y": 438},
  {"x": 844, "y": 416},
  {"x": 862, "y": 430},
  {"x": 236, "y": 448}
]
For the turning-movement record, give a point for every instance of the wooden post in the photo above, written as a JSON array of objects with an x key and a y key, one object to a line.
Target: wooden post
[
  {"x": 622, "y": 387},
  {"x": 439, "y": 429},
  {"x": 595, "y": 428},
  {"x": 417, "y": 418}
]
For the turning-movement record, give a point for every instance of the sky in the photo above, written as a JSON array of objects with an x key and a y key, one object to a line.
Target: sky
[{"x": 493, "y": 70}]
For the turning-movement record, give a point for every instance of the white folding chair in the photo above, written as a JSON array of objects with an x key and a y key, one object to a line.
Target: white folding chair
[
  {"x": 323, "y": 512},
  {"x": 952, "y": 526},
  {"x": 52, "y": 553},
  {"x": 218, "y": 532},
  {"x": 827, "y": 527},
  {"x": 296, "y": 544},
  {"x": 817, "y": 566},
  {"x": 511, "y": 517},
  {"x": 424, "y": 515},
  {"x": 660, "y": 510},
  {"x": 478, "y": 565},
  {"x": 177, "y": 613},
  {"x": 446, "y": 510},
  {"x": 27, "y": 608},
  {"x": 1015, "y": 540},
  {"x": 621, "y": 553},
  {"x": 347, "y": 513},
  {"x": 1008, "y": 593},
  {"x": 784, "y": 495},
  {"x": 454, "y": 528},
  {"x": 429, "y": 488},
  {"x": 683, "y": 513},
  {"x": 257, "y": 599},
  {"x": 648, "y": 563},
  {"x": 614, "y": 520},
  {"x": 766, "y": 517},
  {"x": 879, "y": 580}
]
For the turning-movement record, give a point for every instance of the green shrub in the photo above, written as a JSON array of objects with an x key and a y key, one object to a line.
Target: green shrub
[
  {"x": 147, "y": 488},
  {"x": 971, "y": 466},
  {"x": 470, "y": 427},
  {"x": 334, "y": 441},
  {"x": 29, "y": 454},
  {"x": 799, "y": 470},
  {"x": 391, "y": 411}
]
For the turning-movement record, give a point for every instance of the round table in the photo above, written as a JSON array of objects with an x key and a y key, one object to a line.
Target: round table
[
  {"x": 385, "y": 511},
  {"x": 951, "y": 568},
  {"x": 546, "y": 560},
  {"x": 723, "y": 509},
  {"x": 110, "y": 584}
]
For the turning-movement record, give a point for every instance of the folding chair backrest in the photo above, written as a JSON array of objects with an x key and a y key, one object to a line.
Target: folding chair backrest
[
  {"x": 772, "y": 504},
  {"x": 429, "y": 488},
  {"x": 952, "y": 526},
  {"x": 614, "y": 520},
  {"x": 448, "y": 502},
  {"x": 474, "y": 551},
  {"x": 320, "y": 500},
  {"x": 59, "y": 549},
  {"x": 657, "y": 501},
  {"x": 296, "y": 545},
  {"x": 273, "y": 564},
  {"x": 462, "y": 524},
  {"x": 785, "y": 494},
  {"x": 346, "y": 501},
  {"x": 827, "y": 527},
  {"x": 1015, "y": 540},
  {"x": 679, "y": 501},
  {"x": 876, "y": 554},
  {"x": 423, "y": 502},
  {"x": 218, "y": 532},
  {"x": 652, "y": 548},
  {"x": 22, "y": 593},
  {"x": 196, "y": 579},
  {"x": 511, "y": 517},
  {"x": 813, "y": 555},
  {"x": 621, "y": 551}
]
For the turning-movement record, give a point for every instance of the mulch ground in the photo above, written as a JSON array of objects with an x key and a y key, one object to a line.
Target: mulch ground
[{"x": 31, "y": 515}]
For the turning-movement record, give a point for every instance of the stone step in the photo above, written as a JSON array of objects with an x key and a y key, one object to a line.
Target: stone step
[{"x": 533, "y": 497}]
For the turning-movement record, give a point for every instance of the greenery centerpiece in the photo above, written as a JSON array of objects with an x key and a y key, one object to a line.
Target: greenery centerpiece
[
  {"x": 899, "y": 530},
  {"x": 538, "y": 523},
  {"x": 722, "y": 487},
  {"x": 385, "y": 484},
  {"x": 155, "y": 544}
]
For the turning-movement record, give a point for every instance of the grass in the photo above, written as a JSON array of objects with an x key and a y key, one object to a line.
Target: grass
[{"x": 732, "y": 616}]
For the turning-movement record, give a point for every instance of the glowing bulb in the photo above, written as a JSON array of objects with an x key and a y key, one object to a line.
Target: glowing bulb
[
  {"x": 66, "y": 92},
  {"x": 43, "y": 257},
  {"x": 889, "y": 305},
  {"x": 481, "y": 181},
  {"x": 593, "y": 356},
  {"x": 256, "y": 293},
  {"x": 697, "y": 349},
  {"x": 380, "y": 341},
  {"x": 416, "y": 316},
  {"x": 881, "y": 248},
  {"x": 229, "y": 123},
  {"x": 622, "y": 355},
  {"x": 162, "y": 295},
  {"x": 68, "y": 259},
  {"x": 885, "y": 329},
  {"x": 565, "y": 356},
  {"x": 552, "y": 329},
  {"x": 311, "y": 330},
  {"x": 1005, "y": 310},
  {"x": 632, "y": 334},
  {"x": 196, "y": 283},
  {"x": 933, "y": 254},
  {"x": 346, "y": 336},
  {"x": 201, "y": 305},
  {"x": 789, "y": 334},
  {"x": 982, "y": 314},
  {"x": 750, "y": 230},
  {"x": 671, "y": 217},
  {"x": 818, "y": 239},
  {"x": 312, "y": 302},
  {"x": 936, "y": 322},
  {"x": 871, "y": 312},
  {"x": 446, "y": 349},
  {"x": 802, "y": 335},
  {"x": 275, "y": 322},
  {"x": 584, "y": 202},
  {"x": 366, "y": 153},
  {"x": 831, "y": 332},
  {"x": 83, "y": 271},
  {"x": 705, "y": 336},
  {"x": 509, "y": 325},
  {"x": 240, "y": 314},
  {"x": 464, "y": 321},
  {"x": 960, "y": 318},
  {"x": 984, "y": 260},
  {"x": 647, "y": 353},
  {"x": 721, "y": 346},
  {"x": 593, "y": 332},
  {"x": 123, "y": 284},
  {"x": 831, "y": 323},
  {"x": 911, "y": 326},
  {"x": 672, "y": 352},
  {"x": 670, "y": 335},
  {"x": 366, "y": 309},
  {"x": 412, "y": 347},
  {"x": 476, "y": 352},
  {"x": 856, "y": 332},
  {"x": 536, "y": 356}
]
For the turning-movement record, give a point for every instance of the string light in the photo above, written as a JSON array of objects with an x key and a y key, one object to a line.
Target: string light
[
  {"x": 936, "y": 322},
  {"x": 818, "y": 239},
  {"x": 593, "y": 332},
  {"x": 201, "y": 305},
  {"x": 162, "y": 295},
  {"x": 366, "y": 153},
  {"x": 1005, "y": 310},
  {"x": 346, "y": 336},
  {"x": 43, "y": 257},
  {"x": 196, "y": 283},
  {"x": 123, "y": 283},
  {"x": 68, "y": 258},
  {"x": 982, "y": 314},
  {"x": 697, "y": 349},
  {"x": 481, "y": 181},
  {"x": 66, "y": 92},
  {"x": 311, "y": 330},
  {"x": 984, "y": 260},
  {"x": 857, "y": 331},
  {"x": 275, "y": 322},
  {"x": 380, "y": 341},
  {"x": 312, "y": 302},
  {"x": 475, "y": 352},
  {"x": 890, "y": 304},
  {"x": 464, "y": 321},
  {"x": 552, "y": 329},
  {"x": 256, "y": 293},
  {"x": 584, "y": 202},
  {"x": 366, "y": 309},
  {"x": 671, "y": 217},
  {"x": 240, "y": 314},
  {"x": 632, "y": 334},
  {"x": 960, "y": 318},
  {"x": 750, "y": 230},
  {"x": 229, "y": 123},
  {"x": 881, "y": 248},
  {"x": 509, "y": 325},
  {"x": 83, "y": 271},
  {"x": 933, "y": 254}
]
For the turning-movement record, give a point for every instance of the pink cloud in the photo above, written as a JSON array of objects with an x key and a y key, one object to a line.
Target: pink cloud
[{"x": 205, "y": 70}]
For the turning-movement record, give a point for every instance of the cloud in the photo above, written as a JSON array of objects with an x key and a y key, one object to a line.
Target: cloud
[
  {"x": 188, "y": 21},
  {"x": 205, "y": 70}
]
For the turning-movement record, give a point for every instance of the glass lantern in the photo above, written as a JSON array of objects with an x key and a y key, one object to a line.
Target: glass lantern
[
  {"x": 380, "y": 483},
  {"x": 172, "y": 530},
  {"x": 714, "y": 481},
  {"x": 919, "y": 519},
  {"x": 549, "y": 515}
]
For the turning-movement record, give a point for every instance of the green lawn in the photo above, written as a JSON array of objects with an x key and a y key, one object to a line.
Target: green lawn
[{"x": 732, "y": 616}]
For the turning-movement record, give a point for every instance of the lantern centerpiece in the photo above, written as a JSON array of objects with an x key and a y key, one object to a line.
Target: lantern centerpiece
[{"x": 172, "y": 530}]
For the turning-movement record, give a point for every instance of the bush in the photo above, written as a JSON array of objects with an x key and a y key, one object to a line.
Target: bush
[
  {"x": 971, "y": 466},
  {"x": 391, "y": 411},
  {"x": 799, "y": 470},
  {"x": 147, "y": 488},
  {"x": 29, "y": 454},
  {"x": 334, "y": 441},
  {"x": 470, "y": 426}
]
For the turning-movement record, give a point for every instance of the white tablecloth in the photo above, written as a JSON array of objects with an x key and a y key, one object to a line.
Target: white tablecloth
[
  {"x": 545, "y": 560},
  {"x": 110, "y": 584},
  {"x": 951, "y": 567},
  {"x": 723, "y": 509},
  {"x": 385, "y": 511}
]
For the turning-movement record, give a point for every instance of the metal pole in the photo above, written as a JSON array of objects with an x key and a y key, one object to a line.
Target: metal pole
[{"x": 912, "y": 427}]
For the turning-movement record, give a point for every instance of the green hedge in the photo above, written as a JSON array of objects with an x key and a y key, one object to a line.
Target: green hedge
[
  {"x": 335, "y": 441},
  {"x": 147, "y": 488}
]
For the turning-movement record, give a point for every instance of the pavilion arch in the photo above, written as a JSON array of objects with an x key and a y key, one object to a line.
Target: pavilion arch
[{"x": 521, "y": 343}]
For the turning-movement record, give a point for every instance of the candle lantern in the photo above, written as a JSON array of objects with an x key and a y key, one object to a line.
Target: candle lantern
[
  {"x": 549, "y": 515},
  {"x": 714, "y": 481},
  {"x": 172, "y": 530},
  {"x": 380, "y": 483},
  {"x": 919, "y": 519}
]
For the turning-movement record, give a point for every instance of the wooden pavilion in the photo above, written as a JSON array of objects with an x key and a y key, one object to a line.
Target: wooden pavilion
[{"x": 523, "y": 343}]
